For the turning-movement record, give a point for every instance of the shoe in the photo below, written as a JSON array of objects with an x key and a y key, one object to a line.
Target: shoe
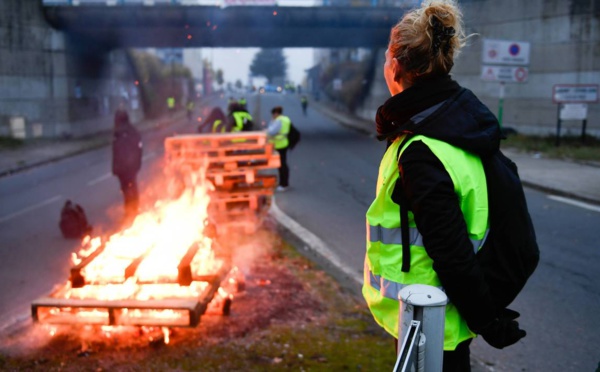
[{"x": 281, "y": 188}]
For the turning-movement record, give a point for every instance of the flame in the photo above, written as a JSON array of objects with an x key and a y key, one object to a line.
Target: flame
[
  {"x": 166, "y": 334},
  {"x": 142, "y": 263},
  {"x": 158, "y": 240}
]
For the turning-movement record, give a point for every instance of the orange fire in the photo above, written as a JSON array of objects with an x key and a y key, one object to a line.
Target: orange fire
[{"x": 122, "y": 276}]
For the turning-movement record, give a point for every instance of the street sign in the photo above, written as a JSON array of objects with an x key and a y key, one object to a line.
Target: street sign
[
  {"x": 575, "y": 93},
  {"x": 505, "y": 52},
  {"x": 573, "y": 111},
  {"x": 506, "y": 74}
]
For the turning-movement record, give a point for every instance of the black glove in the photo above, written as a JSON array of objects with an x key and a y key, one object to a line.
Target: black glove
[{"x": 504, "y": 330}]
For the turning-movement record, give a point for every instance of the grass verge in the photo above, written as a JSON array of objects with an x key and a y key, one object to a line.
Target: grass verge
[{"x": 570, "y": 147}]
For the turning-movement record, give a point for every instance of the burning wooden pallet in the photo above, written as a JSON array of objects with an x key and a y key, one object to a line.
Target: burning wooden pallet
[
  {"x": 236, "y": 164},
  {"x": 160, "y": 271},
  {"x": 169, "y": 302}
]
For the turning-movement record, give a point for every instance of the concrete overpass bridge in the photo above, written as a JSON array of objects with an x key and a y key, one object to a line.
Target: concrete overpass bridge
[
  {"x": 65, "y": 68},
  {"x": 163, "y": 26}
]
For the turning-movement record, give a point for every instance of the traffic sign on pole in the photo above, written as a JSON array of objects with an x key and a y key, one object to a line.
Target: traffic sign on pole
[
  {"x": 505, "y": 52},
  {"x": 575, "y": 93},
  {"x": 505, "y": 74}
]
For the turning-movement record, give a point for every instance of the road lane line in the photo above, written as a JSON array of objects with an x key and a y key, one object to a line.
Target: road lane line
[
  {"x": 104, "y": 177},
  {"x": 575, "y": 203},
  {"x": 31, "y": 208},
  {"x": 313, "y": 242}
]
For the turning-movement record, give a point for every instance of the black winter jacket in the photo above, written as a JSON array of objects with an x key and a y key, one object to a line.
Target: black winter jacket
[{"x": 126, "y": 150}]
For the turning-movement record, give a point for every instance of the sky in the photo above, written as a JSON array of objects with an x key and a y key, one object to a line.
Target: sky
[{"x": 235, "y": 62}]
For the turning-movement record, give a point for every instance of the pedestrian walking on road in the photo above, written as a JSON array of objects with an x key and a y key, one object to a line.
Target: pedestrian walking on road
[
  {"x": 171, "y": 105},
  {"x": 439, "y": 177},
  {"x": 278, "y": 130},
  {"x": 189, "y": 109},
  {"x": 126, "y": 162},
  {"x": 304, "y": 103}
]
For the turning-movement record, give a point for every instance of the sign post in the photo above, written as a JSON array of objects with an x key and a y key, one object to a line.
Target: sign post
[
  {"x": 504, "y": 61},
  {"x": 572, "y": 100},
  {"x": 501, "y": 103}
]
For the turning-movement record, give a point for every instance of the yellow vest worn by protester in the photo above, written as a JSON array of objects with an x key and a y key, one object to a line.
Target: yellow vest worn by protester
[
  {"x": 240, "y": 118},
  {"x": 383, "y": 277},
  {"x": 218, "y": 126},
  {"x": 280, "y": 140}
]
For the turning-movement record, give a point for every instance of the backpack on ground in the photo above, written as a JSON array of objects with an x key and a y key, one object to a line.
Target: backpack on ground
[
  {"x": 510, "y": 252},
  {"x": 73, "y": 221},
  {"x": 293, "y": 137}
]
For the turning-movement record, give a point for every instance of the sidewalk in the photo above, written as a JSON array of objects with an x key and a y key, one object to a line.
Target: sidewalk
[
  {"x": 559, "y": 177},
  {"x": 43, "y": 151}
]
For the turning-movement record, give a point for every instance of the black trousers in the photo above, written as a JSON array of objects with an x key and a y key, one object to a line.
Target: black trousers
[
  {"x": 457, "y": 360},
  {"x": 130, "y": 194},
  {"x": 284, "y": 171}
]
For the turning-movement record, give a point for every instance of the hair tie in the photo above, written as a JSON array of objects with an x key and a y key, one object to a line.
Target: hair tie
[{"x": 441, "y": 35}]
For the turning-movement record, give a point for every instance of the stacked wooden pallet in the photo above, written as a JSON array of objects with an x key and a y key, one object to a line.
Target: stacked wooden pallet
[
  {"x": 239, "y": 165},
  {"x": 170, "y": 302}
]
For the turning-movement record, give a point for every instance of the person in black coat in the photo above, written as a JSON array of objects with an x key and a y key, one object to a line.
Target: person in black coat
[{"x": 127, "y": 161}]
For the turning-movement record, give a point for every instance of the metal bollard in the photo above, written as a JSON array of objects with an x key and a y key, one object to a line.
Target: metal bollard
[{"x": 421, "y": 328}]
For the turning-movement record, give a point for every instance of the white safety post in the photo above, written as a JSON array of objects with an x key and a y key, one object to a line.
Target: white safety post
[{"x": 421, "y": 328}]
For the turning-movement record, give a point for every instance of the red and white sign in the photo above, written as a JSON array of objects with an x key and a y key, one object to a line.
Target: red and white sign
[
  {"x": 506, "y": 74},
  {"x": 505, "y": 52}
]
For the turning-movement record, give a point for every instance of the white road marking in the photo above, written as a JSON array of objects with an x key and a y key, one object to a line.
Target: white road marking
[
  {"x": 575, "y": 203},
  {"x": 313, "y": 242},
  {"x": 103, "y": 177},
  {"x": 31, "y": 208},
  {"x": 106, "y": 176}
]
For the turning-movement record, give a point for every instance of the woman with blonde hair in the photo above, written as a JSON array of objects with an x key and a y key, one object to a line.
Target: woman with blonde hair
[{"x": 437, "y": 132}]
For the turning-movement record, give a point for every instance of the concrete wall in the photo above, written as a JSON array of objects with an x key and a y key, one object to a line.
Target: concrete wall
[
  {"x": 53, "y": 84},
  {"x": 565, "y": 49}
]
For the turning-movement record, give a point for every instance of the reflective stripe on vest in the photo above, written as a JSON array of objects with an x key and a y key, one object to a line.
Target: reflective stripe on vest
[
  {"x": 387, "y": 288},
  {"x": 216, "y": 125},
  {"x": 394, "y": 236}
]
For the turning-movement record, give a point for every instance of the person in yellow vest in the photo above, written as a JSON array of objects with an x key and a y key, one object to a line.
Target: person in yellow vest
[
  {"x": 171, "y": 104},
  {"x": 304, "y": 103},
  {"x": 189, "y": 108},
  {"x": 277, "y": 131},
  {"x": 243, "y": 103},
  {"x": 438, "y": 178},
  {"x": 215, "y": 122},
  {"x": 239, "y": 119}
]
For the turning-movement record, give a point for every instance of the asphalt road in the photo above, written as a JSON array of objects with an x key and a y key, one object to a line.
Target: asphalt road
[{"x": 333, "y": 176}]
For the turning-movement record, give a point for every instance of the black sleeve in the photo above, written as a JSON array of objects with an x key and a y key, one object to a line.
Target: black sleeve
[{"x": 436, "y": 209}]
